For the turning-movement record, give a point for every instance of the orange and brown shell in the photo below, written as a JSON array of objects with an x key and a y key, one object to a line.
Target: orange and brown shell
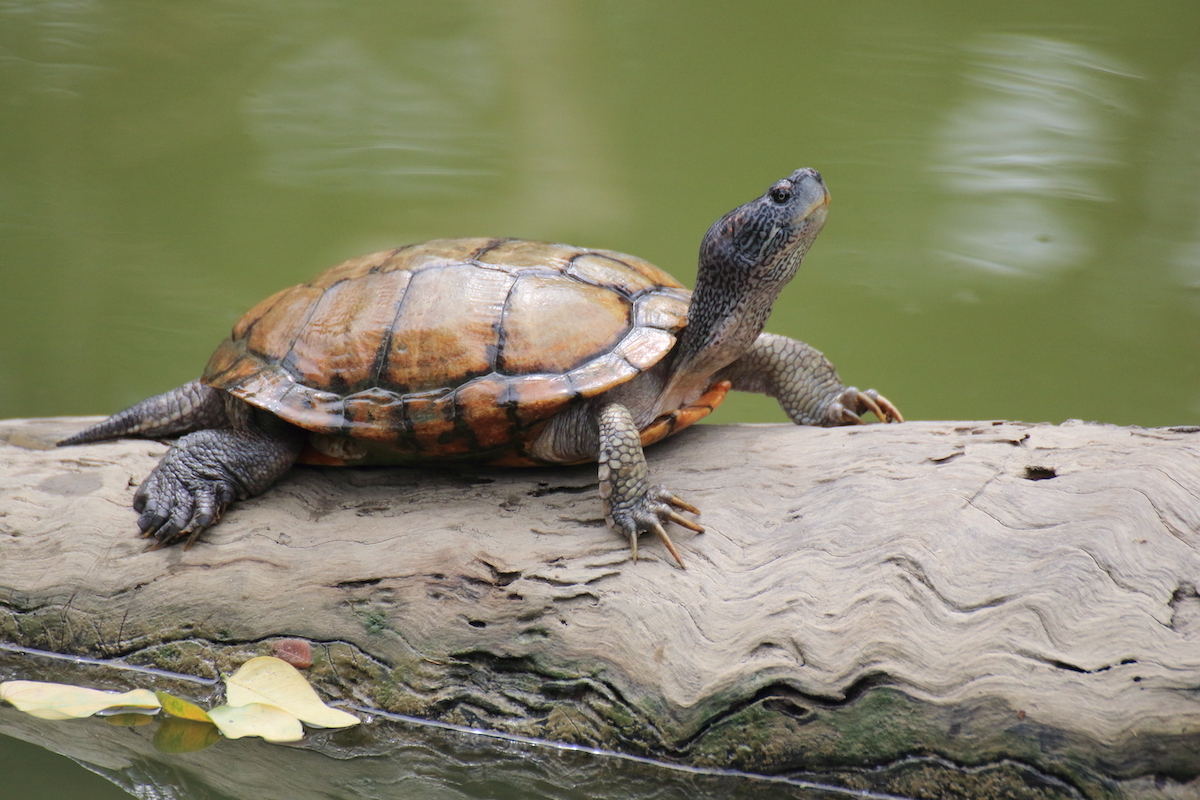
[{"x": 454, "y": 348}]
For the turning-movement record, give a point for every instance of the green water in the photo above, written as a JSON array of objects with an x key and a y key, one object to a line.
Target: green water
[
  {"x": 1015, "y": 230},
  {"x": 31, "y": 773}
]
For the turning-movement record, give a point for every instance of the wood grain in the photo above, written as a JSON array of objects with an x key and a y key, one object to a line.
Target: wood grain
[{"x": 968, "y": 591}]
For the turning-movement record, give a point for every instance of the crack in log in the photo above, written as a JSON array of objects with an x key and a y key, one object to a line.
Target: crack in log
[
  {"x": 581, "y": 596},
  {"x": 915, "y": 571},
  {"x": 358, "y": 584},
  {"x": 371, "y": 509},
  {"x": 946, "y": 459},
  {"x": 1033, "y": 527},
  {"x": 1107, "y": 569},
  {"x": 1156, "y": 433},
  {"x": 501, "y": 577},
  {"x": 1182, "y": 536},
  {"x": 546, "y": 579},
  {"x": 1069, "y": 667},
  {"x": 544, "y": 489},
  {"x": 583, "y": 522}
]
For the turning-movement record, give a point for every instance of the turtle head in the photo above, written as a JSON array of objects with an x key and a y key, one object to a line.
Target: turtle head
[
  {"x": 746, "y": 259},
  {"x": 762, "y": 242}
]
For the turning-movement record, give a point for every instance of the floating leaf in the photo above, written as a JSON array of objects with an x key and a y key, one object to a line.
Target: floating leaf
[
  {"x": 179, "y": 735},
  {"x": 277, "y": 683},
  {"x": 63, "y": 701},
  {"x": 257, "y": 719},
  {"x": 178, "y": 707}
]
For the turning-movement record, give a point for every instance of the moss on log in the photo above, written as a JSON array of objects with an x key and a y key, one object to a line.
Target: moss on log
[{"x": 983, "y": 595}]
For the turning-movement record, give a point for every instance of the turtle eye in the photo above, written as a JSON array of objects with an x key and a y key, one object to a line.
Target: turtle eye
[{"x": 781, "y": 194}]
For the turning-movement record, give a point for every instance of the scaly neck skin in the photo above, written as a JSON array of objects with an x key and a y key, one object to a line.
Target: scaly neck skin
[
  {"x": 729, "y": 309},
  {"x": 746, "y": 259},
  {"x": 726, "y": 315}
]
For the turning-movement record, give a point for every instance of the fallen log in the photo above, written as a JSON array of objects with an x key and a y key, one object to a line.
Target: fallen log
[{"x": 965, "y": 594}]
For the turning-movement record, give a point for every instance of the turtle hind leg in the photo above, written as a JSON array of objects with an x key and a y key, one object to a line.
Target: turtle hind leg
[
  {"x": 190, "y": 407},
  {"x": 631, "y": 504},
  {"x": 205, "y": 471}
]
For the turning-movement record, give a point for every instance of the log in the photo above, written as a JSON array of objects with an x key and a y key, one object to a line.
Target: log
[{"x": 1008, "y": 603}]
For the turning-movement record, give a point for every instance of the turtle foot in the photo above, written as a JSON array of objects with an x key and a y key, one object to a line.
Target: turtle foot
[
  {"x": 182, "y": 496},
  {"x": 203, "y": 473},
  {"x": 649, "y": 514}
]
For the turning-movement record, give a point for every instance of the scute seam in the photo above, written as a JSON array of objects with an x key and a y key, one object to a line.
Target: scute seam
[{"x": 487, "y": 248}]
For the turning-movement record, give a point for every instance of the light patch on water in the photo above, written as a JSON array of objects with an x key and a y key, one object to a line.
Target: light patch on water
[
  {"x": 52, "y": 48},
  {"x": 1173, "y": 186},
  {"x": 1034, "y": 136},
  {"x": 1014, "y": 235},
  {"x": 453, "y": 112},
  {"x": 335, "y": 116}
]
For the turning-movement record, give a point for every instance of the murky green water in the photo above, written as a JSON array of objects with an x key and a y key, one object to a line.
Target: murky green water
[{"x": 1015, "y": 230}]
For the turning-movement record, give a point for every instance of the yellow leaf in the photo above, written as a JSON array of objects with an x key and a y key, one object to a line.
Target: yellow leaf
[
  {"x": 277, "y": 683},
  {"x": 178, "y": 707},
  {"x": 179, "y": 735},
  {"x": 257, "y": 719},
  {"x": 63, "y": 701}
]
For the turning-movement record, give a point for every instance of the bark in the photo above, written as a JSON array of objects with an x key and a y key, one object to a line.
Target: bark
[{"x": 1010, "y": 599}]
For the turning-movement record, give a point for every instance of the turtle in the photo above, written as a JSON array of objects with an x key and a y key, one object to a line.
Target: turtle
[{"x": 506, "y": 352}]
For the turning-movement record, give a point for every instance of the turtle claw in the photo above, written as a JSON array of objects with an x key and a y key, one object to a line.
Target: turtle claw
[
  {"x": 163, "y": 541},
  {"x": 893, "y": 413},
  {"x": 661, "y": 533},
  {"x": 678, "y": 502},
  {"x": 848, "y": 408},
  {"x": 880, "y": 405},
  {"x": 648, "y": 515},
  {"x": 679, "y": 519}
]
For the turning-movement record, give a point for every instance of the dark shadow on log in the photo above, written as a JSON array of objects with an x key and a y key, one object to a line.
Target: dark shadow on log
[{"x": 965, "y": 594}]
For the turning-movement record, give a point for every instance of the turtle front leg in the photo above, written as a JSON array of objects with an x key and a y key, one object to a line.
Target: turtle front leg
[
  {"x": 805, "y": 384},
  {"x": 205, "y": 471},
  {"x": 631, "y": 504}
]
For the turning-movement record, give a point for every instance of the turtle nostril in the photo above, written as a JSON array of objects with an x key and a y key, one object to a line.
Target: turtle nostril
[{"x": 805, "y": 174}]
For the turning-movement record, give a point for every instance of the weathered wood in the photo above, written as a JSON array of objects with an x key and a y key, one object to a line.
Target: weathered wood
[{"x": 972, "y": 591}]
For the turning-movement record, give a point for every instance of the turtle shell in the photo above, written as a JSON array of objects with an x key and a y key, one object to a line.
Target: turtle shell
[{"x": 451, "y": 348}]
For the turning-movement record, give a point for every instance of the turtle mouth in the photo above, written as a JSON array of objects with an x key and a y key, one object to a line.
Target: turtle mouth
[
  {"x": 815, "y": 212},
  {"x": 812, "y": 194}
]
